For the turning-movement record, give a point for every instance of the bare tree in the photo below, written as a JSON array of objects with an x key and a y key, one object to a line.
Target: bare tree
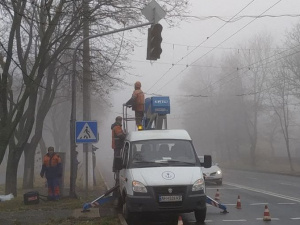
[
  {"x": 280, "y": 99},
  {"x": 36, "y": 34}
]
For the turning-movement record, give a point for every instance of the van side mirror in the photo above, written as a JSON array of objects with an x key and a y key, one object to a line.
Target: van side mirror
[
  {"x": 118, "y": 163},
  {"x": 207, "y": 161}
]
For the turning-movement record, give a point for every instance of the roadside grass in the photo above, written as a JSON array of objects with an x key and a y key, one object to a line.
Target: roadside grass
[{"x": 65, "y": 204}]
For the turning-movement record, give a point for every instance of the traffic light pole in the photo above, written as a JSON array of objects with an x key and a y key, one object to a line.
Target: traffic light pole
[{"x": 73, "y": 155}]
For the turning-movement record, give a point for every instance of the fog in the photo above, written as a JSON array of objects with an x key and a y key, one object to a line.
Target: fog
[
  {"x": 202, "y": 69},
  {"x": 218, "y": 91}
]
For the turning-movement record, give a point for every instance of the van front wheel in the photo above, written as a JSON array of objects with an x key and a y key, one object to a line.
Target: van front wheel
[{"x": 200, "y": 215}]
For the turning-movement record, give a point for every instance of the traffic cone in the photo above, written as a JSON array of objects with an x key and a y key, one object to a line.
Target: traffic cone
[
  {"x": 180, "y": 221},
  {"x": 217, "y": 196},
  {"x": 267, "y": 216},
  {"x": 238, "y": 204}
]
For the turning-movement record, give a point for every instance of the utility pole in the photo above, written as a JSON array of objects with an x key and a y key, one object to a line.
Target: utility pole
[{"x": 87, "y": 147}]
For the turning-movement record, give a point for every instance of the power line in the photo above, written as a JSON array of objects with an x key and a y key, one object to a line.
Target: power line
[
  {"x": 221, "y": 43},
  {"x": 200, "y": 44},
  {"x": 246, "y": 67},
  {"x": 241, "y": 17}
]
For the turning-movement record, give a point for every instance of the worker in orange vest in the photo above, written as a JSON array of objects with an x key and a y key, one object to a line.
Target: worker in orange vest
[
  {"x": 52, "y": 168},
  {"x": 137, "y": 102},
  {"x": 118, "y": 137}
]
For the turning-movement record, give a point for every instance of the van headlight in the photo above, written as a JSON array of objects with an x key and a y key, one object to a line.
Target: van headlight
[
  {"x": 198, "y": 185},
  {"x": 138, "y": 187}
]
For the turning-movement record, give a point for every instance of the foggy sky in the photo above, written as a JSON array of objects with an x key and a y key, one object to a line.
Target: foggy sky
[{"x": 180, "y": 48}]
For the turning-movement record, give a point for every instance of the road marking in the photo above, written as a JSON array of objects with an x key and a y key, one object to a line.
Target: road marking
[
  {"x": 211, "y": 188},
  {"x": 286, "y": 203},
  {"x": 241, "y": 220},
  {"x": 264, "y": 192},
  {"x": 271, "y": 218},
  {"x": 298, "y": 218},
  {"x": 263, "y": 203},
  {"x": 289, "y": 184}
]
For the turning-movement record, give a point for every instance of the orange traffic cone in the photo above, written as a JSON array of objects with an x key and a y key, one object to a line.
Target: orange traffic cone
[
  {"x": 238, "y": 204},
  {"x": 217, "y": 196},
  {"x": 180, "y": 221},
  {"x": 267, "y": 216}
]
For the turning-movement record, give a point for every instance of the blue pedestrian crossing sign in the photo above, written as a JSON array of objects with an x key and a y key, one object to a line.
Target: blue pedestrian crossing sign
[{"x": 86, "y": 132}]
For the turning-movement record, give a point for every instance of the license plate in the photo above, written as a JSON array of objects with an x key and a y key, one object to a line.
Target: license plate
[{"x": 170, "y": 198}]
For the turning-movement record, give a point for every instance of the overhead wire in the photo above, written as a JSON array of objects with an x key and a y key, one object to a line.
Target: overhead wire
[
  {"x": 220, "y": 43},
  {"x": 241, "y": 17},
  {"x": 200, "y": 44},
  {"x": 243, "y": 68}
]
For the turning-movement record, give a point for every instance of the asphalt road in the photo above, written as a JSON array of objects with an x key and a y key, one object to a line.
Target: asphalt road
[{"x": 281, "y": 193}]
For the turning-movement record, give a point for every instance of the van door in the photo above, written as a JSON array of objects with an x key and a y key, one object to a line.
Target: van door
[{"x": 122, "y": 173}]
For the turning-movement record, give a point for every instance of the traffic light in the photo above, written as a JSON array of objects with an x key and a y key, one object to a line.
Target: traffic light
[{"x": 154, "y": 40}]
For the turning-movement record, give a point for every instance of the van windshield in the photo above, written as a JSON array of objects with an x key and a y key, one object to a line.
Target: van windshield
[{"x": 162, "y": 152}]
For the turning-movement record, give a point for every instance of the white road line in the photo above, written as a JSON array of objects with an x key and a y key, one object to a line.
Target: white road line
[
  {"x": 289, "y": 184},
  {"x": 212, "y": 188},
  {"x": 286, "y": 203},
  {"x": 263, "y": 203},
  {"x": 264, "y": 192},
  {"x": 271, "y": 218},
  {"x": 241, "y": 220},
  {"x": 298, "y": 218}
]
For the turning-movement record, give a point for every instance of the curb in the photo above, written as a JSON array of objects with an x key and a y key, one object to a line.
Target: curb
[{"x": 122, "y": 220}]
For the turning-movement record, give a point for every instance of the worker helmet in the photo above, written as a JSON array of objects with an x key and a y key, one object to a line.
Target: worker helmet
[{"x": 137, "y": 84}]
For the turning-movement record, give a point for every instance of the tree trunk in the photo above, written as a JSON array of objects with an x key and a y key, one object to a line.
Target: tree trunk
[
  {"x": 28, "y": 176},
  {"x": 43, "y": 146},
  {"x": 14, "y": 156}
]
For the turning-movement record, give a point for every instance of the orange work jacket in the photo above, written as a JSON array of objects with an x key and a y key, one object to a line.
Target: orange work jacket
[
  {"x": 52, "y": 166},
  {"x": 117, "y": 136},
  {"x": 139, "y": 98}
]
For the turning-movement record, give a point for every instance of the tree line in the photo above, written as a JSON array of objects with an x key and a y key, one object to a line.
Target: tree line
[{"x": 36, "y": 45}]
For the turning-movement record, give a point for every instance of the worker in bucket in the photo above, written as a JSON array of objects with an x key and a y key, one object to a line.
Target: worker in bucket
[
  {"x": 118, "y": 137},
  {"x": 52, "y": 169},
  {"x": 137, "y": 102}
]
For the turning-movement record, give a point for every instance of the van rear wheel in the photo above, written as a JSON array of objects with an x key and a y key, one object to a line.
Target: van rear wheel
[{"x": 200, "y": 215}]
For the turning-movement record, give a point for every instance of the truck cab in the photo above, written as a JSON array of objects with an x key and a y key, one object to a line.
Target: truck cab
[{"x": 159, "y": 172}]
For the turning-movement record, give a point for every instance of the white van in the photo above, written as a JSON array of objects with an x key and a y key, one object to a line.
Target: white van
[{"x": 159, "y": 172}]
